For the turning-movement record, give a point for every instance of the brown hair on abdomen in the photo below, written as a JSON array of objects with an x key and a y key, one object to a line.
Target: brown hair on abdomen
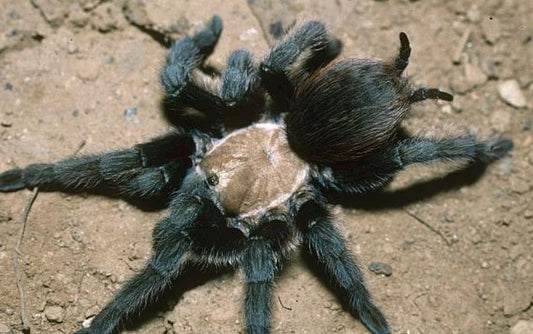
[{"x": 346, "y": 111}]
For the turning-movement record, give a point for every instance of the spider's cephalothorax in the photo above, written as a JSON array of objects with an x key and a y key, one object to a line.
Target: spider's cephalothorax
[{"x": 254, "y": 152}]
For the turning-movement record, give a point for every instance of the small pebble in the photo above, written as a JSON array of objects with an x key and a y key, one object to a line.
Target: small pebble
[
  {"x": 457, "y": 104},
  {"x": 474, "y": 75},
  {"x": 76, "y": 235},
  {"x": 519, "y": 186},
  {"x": 72, "y": 47},
  {"x": 454, "y": 239},
  {"x": 54, "y": 313},
  {"x": 528, "y": 214},
  {"x": 130, "y": 112},
  {"x": 515, "y": 302},
  {"x": 491, "y": 30},
  {"x": 511, "y": 93},
  {"x": 409, "y": 241},
  {"x": 447, "y": 109},
  {"x": 447, "y": 217},
  {"x": 88, "y": 70},
  {"x": 522, "y": 327},
  {"x": 488, "y": 65},
  {"x": 87, "y": 322},
  {"x": 380, "y": 268},
  {"x": 4, "y": 329},
  {"x": 332, "y": 306},
  {"x": 91, "y": 312}
]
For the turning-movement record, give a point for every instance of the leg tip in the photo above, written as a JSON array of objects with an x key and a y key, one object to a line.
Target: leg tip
[
  {"x": 445, "y": 96},
  {"x": 497, "y": 148},
  {"x": 207, "y": 37},
  {"x": 404, "y": 40},
  {"x": 373, "y": 319},
  {"x": 215, "y": 25},
  {"x": 11, "y": 180}
]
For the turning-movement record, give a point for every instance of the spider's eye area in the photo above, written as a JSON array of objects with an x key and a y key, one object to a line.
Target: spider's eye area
[
  {"x": 212, "y": 179},
  {"x": 346, "y": 111},
  {"x": 265, "y": 69}
]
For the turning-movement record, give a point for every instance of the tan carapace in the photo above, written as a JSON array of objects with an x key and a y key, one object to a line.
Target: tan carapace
[{"x": 254, "y": 169}]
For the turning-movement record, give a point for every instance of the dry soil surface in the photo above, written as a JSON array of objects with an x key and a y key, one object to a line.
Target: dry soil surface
[{"x": 83, "y": 75}]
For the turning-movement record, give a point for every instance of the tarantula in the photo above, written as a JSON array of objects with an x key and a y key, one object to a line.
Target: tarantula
[{"x": 255, "y": 152}]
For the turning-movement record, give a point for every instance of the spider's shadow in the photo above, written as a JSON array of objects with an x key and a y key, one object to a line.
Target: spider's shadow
[{"x": 385, "y": 199}]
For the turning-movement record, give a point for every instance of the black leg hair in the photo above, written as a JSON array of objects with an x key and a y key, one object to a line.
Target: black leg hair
[
  {"x": 154, "y": 182},
  {"x": 323, "y": 56},
  {"x": 145, "y": 170},
  {"x": 402, "y": 60},
  {"x": 261, "y": 261},
  {"x": 195, "y": 226},
  {"x": 142, "y": 289},
  {"x": 170, "y": 248},
  {"x": 377, "y": 170},
  {"x": 304, "y": 49},
  {"x": 187, "y": 54},
  {"x": 184, "y": 83},
  {"x": 240, "y": 79},
  {"x": 323, "y": 241},
  {"x": 424, "y": 93},
  {"x": 241, "y": 92}
]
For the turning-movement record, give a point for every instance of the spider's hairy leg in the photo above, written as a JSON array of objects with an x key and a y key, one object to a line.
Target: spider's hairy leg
[
  {"x": 325, "y": 243},
  {"x": 468, "y": 148},
  {"x": 402, "y": 59},
  {"x": 241, "y": 90},
  {"x": 145, "y": 170},
  {"x": 425, "y": 93},
  {"x": 185, "y": 85},
  {"x": 261, "y": 261},
  {"x": 189, "y": 53},
  {"x": 304, "y": 49},
  {"x": 377, "y": 170},
  {"x": 174, "y": 239},
  {"x": 400, "y": 63},
  {"x": 240, "y": 79},
  {"x": 170, "y": 246}
]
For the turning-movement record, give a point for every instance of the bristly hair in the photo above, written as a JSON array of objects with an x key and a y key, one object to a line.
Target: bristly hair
[{"x": 347, "y": 110}]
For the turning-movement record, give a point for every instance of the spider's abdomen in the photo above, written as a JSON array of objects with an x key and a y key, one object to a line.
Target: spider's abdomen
[
  {"x": 346, "y": 111},
  {"x": 253, "y": 169}
]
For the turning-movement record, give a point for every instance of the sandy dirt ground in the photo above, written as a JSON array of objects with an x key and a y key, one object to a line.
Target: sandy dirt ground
[{"x": 83, "y": 76}]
